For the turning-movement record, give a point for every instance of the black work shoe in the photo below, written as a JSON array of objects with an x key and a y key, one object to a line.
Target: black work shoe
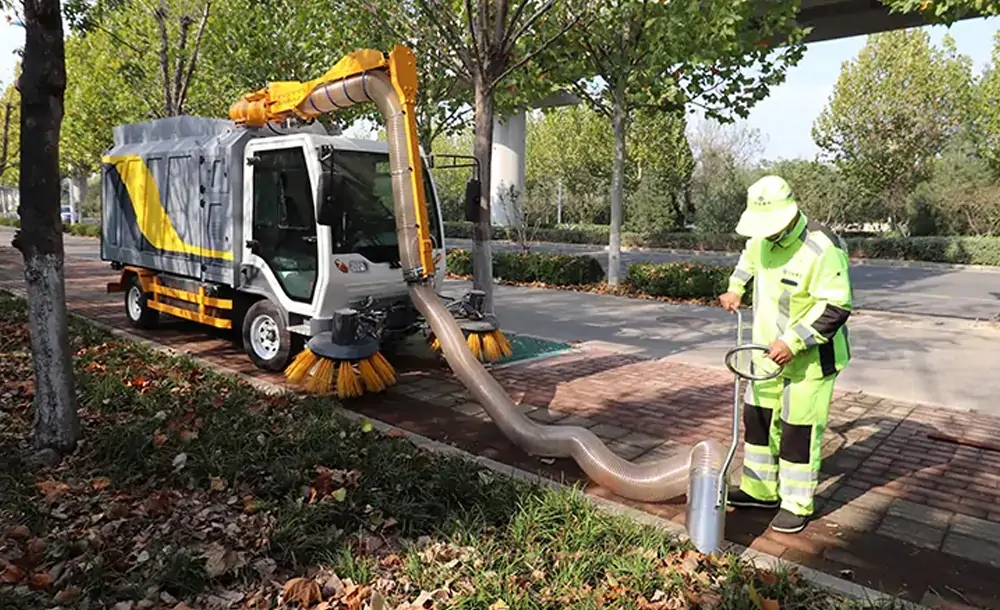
[
  {"x": 788, "y": 523},
  {"x": 741, "y": 499}
]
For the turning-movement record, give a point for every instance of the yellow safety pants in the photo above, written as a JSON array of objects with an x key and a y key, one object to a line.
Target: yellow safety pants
[{"x": 784, "y": 422}]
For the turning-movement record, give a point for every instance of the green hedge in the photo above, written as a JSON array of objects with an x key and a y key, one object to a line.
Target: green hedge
[
  {"x": 553, "y": 269},
  {"x": 681, "y": 280},
  {"x": 956, "y": 249},
  {"x": 79, "y": 229}
]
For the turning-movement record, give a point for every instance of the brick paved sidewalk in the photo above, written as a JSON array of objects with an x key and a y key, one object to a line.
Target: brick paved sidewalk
[{"x": 898, "y": 512}]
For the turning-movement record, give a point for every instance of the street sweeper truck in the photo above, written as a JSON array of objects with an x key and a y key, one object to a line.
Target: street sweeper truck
[
  {"x": 297, "y": 235},
  {"x": 280, "y": 232}
]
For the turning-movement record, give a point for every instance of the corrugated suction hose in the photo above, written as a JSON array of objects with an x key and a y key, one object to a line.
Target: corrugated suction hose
[{"x": 652, "y": 482}]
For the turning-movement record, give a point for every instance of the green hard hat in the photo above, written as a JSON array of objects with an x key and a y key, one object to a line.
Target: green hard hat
[{"x": 770, "y": 207}]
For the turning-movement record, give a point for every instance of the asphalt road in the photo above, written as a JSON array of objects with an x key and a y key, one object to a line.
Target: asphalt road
[
  {"x": 959, "y": 293},
  {"x": 972, "y": 294}
]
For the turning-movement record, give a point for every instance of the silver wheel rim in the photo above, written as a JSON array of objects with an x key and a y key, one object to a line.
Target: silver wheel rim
[
  {"x": 134, "y": 303},
  {"x": 264, "y": 337}
]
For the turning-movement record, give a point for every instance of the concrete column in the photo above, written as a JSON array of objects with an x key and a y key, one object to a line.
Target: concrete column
[{"x": 507, "y": 168}]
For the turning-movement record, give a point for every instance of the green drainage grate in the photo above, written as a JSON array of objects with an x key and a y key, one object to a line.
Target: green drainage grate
[{"x": 527, "y": 348}]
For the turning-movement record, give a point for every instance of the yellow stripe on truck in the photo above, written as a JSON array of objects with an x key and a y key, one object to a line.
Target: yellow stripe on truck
[{"x": 153, "y": 221}]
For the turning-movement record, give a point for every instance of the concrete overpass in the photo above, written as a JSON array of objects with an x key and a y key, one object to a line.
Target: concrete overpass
[{"x": 829, "y": 20}]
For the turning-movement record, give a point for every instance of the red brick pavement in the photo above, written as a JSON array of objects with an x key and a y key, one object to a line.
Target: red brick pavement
[{"x": 898, "y": 512}]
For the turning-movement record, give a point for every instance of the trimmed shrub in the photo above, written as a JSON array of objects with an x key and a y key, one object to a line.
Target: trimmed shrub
[
  {"x": 955, "y": 250},
  {"x": 79, "y": 229},
  {"x": 679, "y": 280},
  {"x": 83, "y": 229},
  {"x": 554, "y": 269},
  {"x": 952, "y": 249}
]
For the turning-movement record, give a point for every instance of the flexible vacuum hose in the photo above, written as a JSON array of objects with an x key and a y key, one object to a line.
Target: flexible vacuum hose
[{"x": 652, "y": 482}]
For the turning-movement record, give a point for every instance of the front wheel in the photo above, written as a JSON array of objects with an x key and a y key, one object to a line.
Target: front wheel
[
  {"x": 266, "y": 338},
  {"x": 137, "y": 308}
]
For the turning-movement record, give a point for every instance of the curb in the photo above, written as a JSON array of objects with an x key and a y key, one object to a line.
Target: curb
[{"x": 757, "y": 558}]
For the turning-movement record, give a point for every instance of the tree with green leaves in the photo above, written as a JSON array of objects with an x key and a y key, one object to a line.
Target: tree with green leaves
[
  {"x": 945, "y": 11},
  {"x": 824, "y": 193},
  {"x": 985, "y": 116},
  {"x": 42, "y": 86},
  {"x": 158, "y": 42},
  {"x": 892, "y": 111},
  {"x": 669, "y": 55},
  {"x": 97, "y": 98},
  {"x": 10, "y": 141},
  {"x": 249, "y": 45},
  {"x": 664, "y": 165},
  {"x": 490, "y": 47},
  {"x": 568, "y": 154}
]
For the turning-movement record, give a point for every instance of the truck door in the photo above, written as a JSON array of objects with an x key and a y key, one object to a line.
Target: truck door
[{"x": 281, "y": 228}]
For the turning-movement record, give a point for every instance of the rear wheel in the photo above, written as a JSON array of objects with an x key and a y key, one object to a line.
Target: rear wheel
[
  {"x": 137, "y": 309},
  {"x": 266, "y": 338}
]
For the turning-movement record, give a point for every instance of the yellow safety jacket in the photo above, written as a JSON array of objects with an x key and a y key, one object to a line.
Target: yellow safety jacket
[{"x": 802, "y": 294}]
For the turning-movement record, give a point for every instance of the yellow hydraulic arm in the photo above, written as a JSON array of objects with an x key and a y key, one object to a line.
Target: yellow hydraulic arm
[{"x": 342, "y": 86}]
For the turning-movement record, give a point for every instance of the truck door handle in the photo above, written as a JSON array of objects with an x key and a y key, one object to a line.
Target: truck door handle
[{"x": 253, "y": 245}]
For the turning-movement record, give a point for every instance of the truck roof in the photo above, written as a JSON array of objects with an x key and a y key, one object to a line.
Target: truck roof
[{"x": 201, "y": 128}]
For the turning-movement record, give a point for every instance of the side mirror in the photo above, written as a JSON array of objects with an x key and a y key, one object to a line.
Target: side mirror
[{"x": 473, "y": 192}]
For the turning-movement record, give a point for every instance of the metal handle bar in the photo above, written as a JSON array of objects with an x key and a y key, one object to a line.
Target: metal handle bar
[
  {"x": 740, "y": 347},
  {"x": 744, "y": 348}
]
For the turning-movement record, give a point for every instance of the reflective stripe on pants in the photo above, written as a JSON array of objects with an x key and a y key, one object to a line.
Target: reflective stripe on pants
[{"x": 784, "y": 422}]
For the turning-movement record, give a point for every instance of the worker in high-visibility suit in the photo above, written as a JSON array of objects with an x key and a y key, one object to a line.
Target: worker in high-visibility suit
[{"x": 802, "y": 297}]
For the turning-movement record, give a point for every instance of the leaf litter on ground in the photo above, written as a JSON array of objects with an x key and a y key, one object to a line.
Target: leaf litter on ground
[{"x": 193, "y": 490}]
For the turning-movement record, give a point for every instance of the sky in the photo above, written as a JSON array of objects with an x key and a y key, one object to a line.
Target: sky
[{"x": 784, "y": 119}]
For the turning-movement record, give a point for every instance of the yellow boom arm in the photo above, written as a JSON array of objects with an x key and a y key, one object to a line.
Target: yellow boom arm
[{"x": 390, "y": 82}]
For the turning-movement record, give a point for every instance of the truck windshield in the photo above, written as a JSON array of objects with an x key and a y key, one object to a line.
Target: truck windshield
[{"x": 366, "y": 220}]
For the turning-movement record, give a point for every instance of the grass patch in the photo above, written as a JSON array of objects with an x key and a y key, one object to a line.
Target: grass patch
[{"x": 192, "y": 486}]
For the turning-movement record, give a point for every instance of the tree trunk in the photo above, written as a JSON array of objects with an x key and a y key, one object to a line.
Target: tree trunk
[
  {"x": 43, "y": 83},
  {"x": 619, "y": 123},
  {"x": 482, "y": 258},
  {"x": 77, "y": 194}
]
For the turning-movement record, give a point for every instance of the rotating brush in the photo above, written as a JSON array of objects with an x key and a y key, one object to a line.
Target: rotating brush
[
  {"x": 342, "y": 361},
  {"x": 485, "y": 345}
]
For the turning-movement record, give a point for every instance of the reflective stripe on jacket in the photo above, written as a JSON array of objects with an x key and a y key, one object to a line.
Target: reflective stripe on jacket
[{"x": 802, "y": 294}]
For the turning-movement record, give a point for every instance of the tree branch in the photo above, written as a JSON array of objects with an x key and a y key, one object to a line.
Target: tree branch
[
  {"x": 160, "y": 15},
  {"x": 511, "y": 36},
  {"x": 528, "y": 57},
  {"x": 447, "y": 31},
  {"x": 443, "y": 125},
  {"x": 478, "y": 51},
  {"x": 194, "y": 57},
  {"x": 596, "y": 103},
  {"x": 499, "y": 29},
  {"x": 179, "y": 71}
]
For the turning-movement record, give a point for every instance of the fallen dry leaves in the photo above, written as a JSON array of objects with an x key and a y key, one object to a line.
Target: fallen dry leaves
[{"x": 302, "y": 591}]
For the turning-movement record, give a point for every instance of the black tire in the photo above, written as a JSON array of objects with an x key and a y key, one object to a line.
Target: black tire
[
  {"x": 137, "y": 309},
  {"x": 275, "y": 345}
]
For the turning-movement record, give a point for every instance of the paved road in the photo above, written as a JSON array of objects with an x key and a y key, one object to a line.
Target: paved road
[{"x": 962, "y": 293}]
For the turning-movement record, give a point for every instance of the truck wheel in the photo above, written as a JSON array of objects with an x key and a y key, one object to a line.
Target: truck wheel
[
  {"x": 137, "y": 309},
  {"x": 266, "y": 338}
]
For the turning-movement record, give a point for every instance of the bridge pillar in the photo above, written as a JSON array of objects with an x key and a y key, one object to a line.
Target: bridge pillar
[{"x": 507, "y": 168}]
